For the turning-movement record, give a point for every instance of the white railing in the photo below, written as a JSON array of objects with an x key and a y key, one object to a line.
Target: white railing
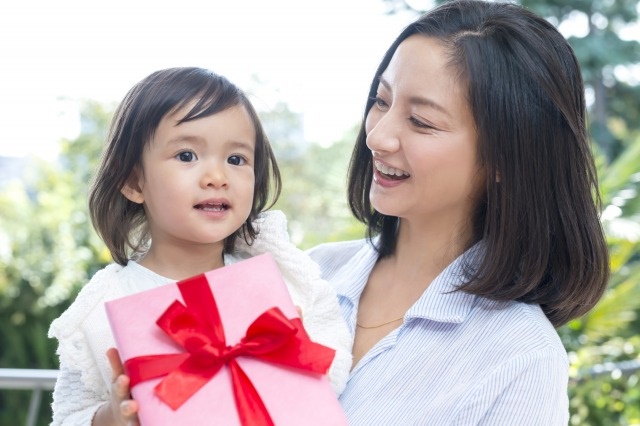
[
  {"x": 622, "y": 368},
  {"x": 37, "y": 380}
]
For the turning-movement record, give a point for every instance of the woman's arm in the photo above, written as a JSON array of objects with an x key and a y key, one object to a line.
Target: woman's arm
[{"x": 528, "y": 390}]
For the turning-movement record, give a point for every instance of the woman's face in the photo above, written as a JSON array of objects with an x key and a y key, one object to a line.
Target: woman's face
[{"x": 422, "y": 137}]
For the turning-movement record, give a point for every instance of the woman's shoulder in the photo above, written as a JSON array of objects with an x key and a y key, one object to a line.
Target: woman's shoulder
[
  {"x": 523, "y": 327},
  {"x": 336, "y": 256},
  {"x": 89, "y": 296},
  {"x": 337, "y": 253}
]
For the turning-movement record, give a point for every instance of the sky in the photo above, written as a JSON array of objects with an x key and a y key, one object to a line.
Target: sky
[{"x": 318, "y": 57}]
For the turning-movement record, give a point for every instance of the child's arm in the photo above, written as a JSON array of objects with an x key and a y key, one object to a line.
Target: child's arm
[
  {"x": 76, "y": 404},
  {"x": 121, "y": 409},
  {"x": 73, "y": 402}
]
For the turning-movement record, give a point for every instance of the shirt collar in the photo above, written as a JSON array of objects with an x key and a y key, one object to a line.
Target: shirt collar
[
  {"x": 440, "y": 302},
  {"x": 355, "y": 273}
]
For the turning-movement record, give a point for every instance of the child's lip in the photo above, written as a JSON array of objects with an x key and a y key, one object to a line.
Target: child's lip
[{"x": 213, "y": 202}]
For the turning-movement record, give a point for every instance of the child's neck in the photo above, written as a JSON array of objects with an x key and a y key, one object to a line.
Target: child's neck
[{"x": 180, "y": 263}]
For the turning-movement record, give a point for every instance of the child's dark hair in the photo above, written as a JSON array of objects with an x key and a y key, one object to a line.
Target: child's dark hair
[
  {"x": 538, "y": 219},
  {"x": 121, "y": 223}
]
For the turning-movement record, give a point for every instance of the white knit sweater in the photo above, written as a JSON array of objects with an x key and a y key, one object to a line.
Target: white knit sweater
[{"x": 84, "y": 335}]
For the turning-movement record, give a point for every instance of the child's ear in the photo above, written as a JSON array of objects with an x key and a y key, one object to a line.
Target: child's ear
[{"x": 132, "y": 189}]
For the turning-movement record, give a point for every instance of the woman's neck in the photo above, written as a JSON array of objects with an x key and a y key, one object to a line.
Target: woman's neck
[{"x": 428, "y": 250}]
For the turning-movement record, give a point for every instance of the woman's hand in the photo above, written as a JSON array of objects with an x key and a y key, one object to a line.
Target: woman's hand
[{"x": 121, "y": 410}]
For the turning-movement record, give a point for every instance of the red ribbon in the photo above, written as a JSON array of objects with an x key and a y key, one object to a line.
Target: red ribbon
[{"x": 197, "y": 328}]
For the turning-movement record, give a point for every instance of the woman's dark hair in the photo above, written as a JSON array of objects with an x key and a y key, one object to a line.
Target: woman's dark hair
[
  {"x": 539, "y": 216},
  {"x": 121, "y": 223}
]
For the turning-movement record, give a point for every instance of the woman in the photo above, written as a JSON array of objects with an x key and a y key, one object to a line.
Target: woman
[{"x": 473, "y": 173}]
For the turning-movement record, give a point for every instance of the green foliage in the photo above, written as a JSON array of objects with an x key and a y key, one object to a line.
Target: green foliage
[
  {"x": 610, "y": 333},
  {"x": 314, "y": 197},
  {"x": 47, "y": 251},
  {"x": 314, "y": 180},
  {"x": 607, "y": 398}
]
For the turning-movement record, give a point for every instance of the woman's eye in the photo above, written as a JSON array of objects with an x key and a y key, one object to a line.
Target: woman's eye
[
  {"x": 236, "y": 160},
  {"x": 186, "y": 156},
  {"x": 419, "y": 123},
  {"x": 380, "y": 103}
]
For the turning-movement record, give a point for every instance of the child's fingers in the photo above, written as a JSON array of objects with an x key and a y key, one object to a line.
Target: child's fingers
[
  {"x": 121, "y": 387},
  {"x": 129, "y": 409},
  {"x": 114, "y": 360},
  {"x": 121, "y": 410}
]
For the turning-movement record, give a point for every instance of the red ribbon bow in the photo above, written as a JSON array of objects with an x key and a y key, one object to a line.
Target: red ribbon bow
[{"x": 197, "y": 328}]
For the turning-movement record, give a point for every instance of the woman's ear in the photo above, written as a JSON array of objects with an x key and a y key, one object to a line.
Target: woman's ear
[{"x": 132, "y": 189}]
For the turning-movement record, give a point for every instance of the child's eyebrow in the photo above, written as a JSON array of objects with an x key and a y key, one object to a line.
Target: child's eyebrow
[
  {"x": 186, "y": 138},
  {"x": 198, "y": 140},
  {"x": 241, "y": 145}
]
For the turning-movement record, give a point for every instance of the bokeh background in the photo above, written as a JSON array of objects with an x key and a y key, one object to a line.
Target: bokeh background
[{"x": 307, "y": 67}]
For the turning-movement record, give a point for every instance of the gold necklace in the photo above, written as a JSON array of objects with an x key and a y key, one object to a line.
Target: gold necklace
[{"x": 379, "y": 325}]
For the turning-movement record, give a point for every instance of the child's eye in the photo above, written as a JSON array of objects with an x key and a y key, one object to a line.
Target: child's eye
[
  {"x": 186, "y": 156},
  {"x": 236, "y": 160}
]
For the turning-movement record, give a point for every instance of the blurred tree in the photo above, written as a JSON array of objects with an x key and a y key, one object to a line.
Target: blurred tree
[
  {"x": 47, "y": 251},
  {"x": 600, "y": 33},
  {"x": 314, "y": 197},
  {"x": 610, "y": 333}
]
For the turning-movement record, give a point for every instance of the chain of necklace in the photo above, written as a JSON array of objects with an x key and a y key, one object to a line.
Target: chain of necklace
[{"x": 379, "y": 325}]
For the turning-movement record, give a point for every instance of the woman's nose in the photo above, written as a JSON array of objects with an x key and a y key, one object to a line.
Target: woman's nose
[{"x": 383, "y": 131}]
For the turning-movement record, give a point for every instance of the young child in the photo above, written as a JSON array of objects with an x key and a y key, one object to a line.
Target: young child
[{"x": 181, "y": 190}]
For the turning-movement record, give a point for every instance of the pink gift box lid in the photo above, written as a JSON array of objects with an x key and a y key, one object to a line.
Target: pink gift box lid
[{"x": 242, "y": 292}]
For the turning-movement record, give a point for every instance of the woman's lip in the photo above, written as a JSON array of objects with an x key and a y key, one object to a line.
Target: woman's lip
[
  {"x": 390, "y": 170},
  {"x": 382, "y": 181}
]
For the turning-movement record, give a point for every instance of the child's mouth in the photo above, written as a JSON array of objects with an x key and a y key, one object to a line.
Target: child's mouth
[{"x": 212, "y": 207}]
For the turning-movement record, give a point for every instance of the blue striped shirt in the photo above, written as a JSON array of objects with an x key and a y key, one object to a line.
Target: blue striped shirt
[{"x": 457, "y": 359}]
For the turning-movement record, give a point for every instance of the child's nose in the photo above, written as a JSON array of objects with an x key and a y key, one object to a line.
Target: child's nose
[{"x": 214, "y": 177}]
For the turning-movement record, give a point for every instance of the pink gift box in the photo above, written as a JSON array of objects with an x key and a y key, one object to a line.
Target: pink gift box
[{"x": 242, "y": 292}]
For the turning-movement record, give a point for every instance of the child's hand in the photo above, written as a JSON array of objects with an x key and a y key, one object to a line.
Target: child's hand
[{"x": 121, "y": 410}]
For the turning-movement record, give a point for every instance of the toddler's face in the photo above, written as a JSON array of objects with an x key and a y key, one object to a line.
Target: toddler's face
[{"x": 198, "y": 177}]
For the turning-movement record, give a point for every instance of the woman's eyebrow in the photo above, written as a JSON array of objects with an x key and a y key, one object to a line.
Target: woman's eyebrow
[{"x": 418, "y": 100}]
